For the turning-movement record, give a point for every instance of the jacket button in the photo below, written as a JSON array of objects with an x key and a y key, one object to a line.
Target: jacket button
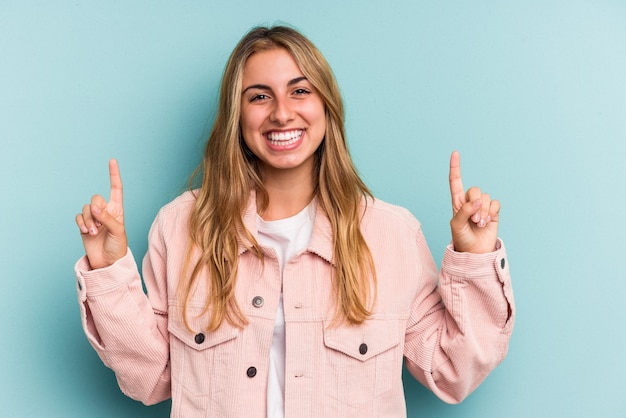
[
  {"x": 363, "y": 348},
  {"x": 199, "y": 338},
  {"x": 251, "y": 372},
  {"x": 502, "y": 263},
  {"x": 257, "y": 302}
]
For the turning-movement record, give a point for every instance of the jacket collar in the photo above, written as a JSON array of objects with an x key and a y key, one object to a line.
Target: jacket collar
[{"x": 321, "y": 242}]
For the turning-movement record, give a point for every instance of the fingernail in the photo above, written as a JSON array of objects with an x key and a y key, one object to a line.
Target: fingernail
[
  {"x": 93, "y": 230},
  {"x": 482, "y": 223},
  {"x": 84, "y": 229},
  {"x": 476, "y": 217}
]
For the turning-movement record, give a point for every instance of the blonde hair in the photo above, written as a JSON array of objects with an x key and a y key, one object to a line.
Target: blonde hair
[{"x": 230, "y": 171}]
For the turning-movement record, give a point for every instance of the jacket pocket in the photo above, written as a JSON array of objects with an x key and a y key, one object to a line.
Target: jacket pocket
[
  {"x": 201, "y": 361},
  {"x": 362, "y": 362}
]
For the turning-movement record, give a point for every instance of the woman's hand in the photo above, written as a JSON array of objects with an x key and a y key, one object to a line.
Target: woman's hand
[
  {"x": 474, "y": 222},
  {"x": 101, "y": 224}
]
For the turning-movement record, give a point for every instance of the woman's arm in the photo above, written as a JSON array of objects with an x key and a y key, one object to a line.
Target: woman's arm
[{"x": 127, "y": 330}]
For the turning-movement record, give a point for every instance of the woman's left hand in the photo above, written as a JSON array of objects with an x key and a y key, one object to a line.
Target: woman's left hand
[{"x": 474, "y": 223}]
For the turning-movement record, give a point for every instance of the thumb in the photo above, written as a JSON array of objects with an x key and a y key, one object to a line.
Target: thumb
[
  {"x": 466, "y": 211},
  {"x": 107, "y": 220}
]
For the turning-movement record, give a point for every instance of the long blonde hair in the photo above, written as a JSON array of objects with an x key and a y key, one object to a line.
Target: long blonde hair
[{"x": 230, "y": 171}]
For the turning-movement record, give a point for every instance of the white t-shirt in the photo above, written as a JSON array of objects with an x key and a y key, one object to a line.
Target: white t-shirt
[{"x": 288, "y": 237}]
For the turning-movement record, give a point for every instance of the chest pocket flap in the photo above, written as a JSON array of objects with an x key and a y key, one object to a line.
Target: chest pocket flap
[
  {"x": 365, "y": 341},
  {"x": 198, "y": 337}
]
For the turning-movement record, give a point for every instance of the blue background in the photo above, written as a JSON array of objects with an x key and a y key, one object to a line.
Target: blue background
[{"x": 532, "y": 93}]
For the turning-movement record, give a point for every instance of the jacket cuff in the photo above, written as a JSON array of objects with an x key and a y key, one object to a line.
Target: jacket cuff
[
  {"x": 94, "y": 282},
  {"x": 476, "y": 266}
]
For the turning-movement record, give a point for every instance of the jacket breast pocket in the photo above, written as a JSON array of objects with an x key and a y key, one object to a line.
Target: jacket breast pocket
[
  {"x": 363, "y": 362},
  {"x": 201, "y": 361}
]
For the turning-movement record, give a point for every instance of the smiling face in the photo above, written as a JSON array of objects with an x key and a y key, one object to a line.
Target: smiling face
[{"x": 283, "y": 118}]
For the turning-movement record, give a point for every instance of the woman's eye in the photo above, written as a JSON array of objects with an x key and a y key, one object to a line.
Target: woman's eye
[
  {"x": 301, "y": 91},
  {"x": 258, "y": 97}
]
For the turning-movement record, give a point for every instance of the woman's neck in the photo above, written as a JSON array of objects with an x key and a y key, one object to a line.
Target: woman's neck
[{"x": 289, "y": 192}]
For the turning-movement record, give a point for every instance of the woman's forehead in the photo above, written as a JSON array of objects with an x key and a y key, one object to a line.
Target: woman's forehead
[{"x": 276, "y": 66}]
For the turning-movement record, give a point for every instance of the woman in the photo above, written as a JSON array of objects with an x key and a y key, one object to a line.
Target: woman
[{"x": 281, "y": 287}]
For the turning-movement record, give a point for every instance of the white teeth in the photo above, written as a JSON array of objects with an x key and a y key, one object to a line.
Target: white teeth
[{"x": 284, "y": 138}]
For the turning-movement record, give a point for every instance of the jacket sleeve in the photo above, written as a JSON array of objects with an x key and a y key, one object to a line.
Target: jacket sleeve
[
  {"x": 127, "y": 329},
  {"x": 459, "y": 330}
]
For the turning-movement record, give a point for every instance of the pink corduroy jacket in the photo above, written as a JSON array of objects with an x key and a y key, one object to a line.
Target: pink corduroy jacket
[{"x": 451, "y": 336}]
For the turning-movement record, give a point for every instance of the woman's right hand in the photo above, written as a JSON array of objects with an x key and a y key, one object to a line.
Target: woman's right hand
[{"x": 101, "y": 224}]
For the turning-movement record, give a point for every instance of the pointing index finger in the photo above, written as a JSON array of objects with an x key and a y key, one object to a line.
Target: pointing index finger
[
  {"x": 457, "y": 192},
  {"x": 116, "y": 195}
]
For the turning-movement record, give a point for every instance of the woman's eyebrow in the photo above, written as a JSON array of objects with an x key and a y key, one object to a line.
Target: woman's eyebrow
[
  {"x": 256, "y": 86},
  {"x": 264, "y": 87},
  {"x": 296, "y": 80}
]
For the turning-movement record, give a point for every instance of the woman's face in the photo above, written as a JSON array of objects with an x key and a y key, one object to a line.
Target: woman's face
[{"x": 283, "y": 120}]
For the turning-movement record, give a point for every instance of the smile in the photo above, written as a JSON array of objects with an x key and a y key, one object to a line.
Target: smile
[{"x": 283, "y": 139}]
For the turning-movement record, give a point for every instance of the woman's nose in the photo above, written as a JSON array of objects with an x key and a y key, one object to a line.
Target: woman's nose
[{"x": 282, "y": 112}]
